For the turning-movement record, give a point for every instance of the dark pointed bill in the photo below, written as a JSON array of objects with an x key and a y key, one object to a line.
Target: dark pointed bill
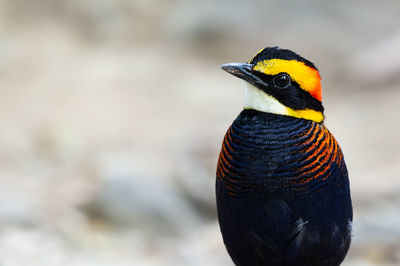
[
  {"x": 243, "y": 71},
  {"x": 237, "y": 69}
]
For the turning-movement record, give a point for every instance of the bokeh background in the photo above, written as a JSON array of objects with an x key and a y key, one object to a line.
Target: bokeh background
[{"x": 113, "y": 111}]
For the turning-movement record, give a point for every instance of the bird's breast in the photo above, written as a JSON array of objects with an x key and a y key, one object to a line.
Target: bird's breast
[{"x": 275, "y": 153}]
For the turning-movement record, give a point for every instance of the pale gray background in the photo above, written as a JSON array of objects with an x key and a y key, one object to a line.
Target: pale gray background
[{"x": 113, "y": 111}]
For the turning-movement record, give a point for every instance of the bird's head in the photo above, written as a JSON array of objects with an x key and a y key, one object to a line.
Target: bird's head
[{"x": 280, "y": 81}]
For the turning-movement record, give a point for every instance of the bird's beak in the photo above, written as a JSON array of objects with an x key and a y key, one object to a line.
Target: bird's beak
[{"x": 245, "y": 72}]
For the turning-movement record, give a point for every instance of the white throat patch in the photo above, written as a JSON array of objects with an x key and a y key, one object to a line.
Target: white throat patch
[{"x": 257, "y": 99}]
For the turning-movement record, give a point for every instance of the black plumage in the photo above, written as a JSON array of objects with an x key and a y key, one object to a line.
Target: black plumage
[{"x": 283, "y": 195}]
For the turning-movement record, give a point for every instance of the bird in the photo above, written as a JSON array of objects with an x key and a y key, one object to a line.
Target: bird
[{"x": 282, "y": 186}]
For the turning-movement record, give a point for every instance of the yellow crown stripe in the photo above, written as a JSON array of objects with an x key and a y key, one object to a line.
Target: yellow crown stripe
[{"x": 307, "y": 77}]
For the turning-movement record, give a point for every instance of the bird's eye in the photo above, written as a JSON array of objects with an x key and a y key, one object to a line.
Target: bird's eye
[{"x": 282, "y": 80}]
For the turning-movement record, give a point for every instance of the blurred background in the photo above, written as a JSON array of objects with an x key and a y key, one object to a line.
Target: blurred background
[{"x": 113, "y": 111}]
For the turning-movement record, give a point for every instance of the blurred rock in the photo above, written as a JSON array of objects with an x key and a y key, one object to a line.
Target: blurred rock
[
  {"x": 18, "y": 207},
  {"x": 378, "y": 221},
  {"x": 133, "y": 192},
  {"x": 196, "y": 183}
]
